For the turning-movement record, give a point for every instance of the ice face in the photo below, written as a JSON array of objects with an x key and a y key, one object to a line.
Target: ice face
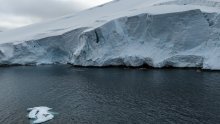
[
  {"x": 158, "y": 33},
  {"x": 40, "y": 114}
]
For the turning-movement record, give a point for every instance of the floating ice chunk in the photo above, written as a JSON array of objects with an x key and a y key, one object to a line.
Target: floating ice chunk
[{"x": 40, "y": 114}]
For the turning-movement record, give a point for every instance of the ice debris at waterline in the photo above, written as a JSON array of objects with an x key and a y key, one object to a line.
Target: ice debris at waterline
[{"x": 40, "y": 114}]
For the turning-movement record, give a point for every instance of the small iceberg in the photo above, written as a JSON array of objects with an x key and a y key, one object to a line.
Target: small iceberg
[{"x": 40, "y": 114}]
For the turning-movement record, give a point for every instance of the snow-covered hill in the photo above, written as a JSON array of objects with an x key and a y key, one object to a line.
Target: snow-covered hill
[{"x": 157, "y": 33}]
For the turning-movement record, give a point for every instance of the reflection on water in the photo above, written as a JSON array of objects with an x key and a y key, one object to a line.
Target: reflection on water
[{"x": 110, "y": 95}]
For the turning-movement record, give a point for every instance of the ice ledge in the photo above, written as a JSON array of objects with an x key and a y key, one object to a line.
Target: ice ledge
[{"x": 183, "y": 39}]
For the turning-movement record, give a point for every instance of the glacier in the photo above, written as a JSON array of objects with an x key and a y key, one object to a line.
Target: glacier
[{"x": 154, "y": 33}]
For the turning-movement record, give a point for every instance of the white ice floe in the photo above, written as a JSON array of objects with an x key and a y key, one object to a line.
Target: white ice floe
[{"x": 40, "y": 114}]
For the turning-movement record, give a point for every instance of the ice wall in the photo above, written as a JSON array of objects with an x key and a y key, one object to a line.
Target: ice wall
[{"x": 167, "y": 34}]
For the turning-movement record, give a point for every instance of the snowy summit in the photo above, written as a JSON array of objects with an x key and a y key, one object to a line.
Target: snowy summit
[
  {"x": 40, "y": 114},
  {"x": 156, "y": 33}
]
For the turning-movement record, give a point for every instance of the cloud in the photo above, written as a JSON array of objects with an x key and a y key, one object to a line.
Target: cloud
[
  {"x": 13, "y": 21},
  {"x": 39, "y": 8},
  {"x": 17, "y": 13}
]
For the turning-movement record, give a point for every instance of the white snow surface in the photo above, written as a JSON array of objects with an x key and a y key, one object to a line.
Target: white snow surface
[
  {"x": 40, "y": 114},
  {"x": 157, "y": 33}
]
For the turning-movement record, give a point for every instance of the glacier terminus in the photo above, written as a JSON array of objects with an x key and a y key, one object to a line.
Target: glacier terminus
[{"x": 156, "y": 33}]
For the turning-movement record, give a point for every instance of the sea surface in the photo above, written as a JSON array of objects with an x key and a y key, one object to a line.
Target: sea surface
[{"x": 110, "y": 95}]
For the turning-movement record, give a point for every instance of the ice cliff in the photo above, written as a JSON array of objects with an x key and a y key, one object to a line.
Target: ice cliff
[{"x": 156, "y": 33}]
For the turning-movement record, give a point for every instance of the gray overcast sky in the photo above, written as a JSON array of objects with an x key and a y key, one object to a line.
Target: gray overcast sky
[{"x": 17, "y": 13}]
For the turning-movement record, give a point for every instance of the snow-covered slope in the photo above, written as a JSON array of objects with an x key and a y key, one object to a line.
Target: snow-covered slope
[{"x": 157, "y": 33}]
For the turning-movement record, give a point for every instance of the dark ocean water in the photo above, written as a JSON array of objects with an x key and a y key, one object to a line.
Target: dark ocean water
[{"x": 110, "y": 95}]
